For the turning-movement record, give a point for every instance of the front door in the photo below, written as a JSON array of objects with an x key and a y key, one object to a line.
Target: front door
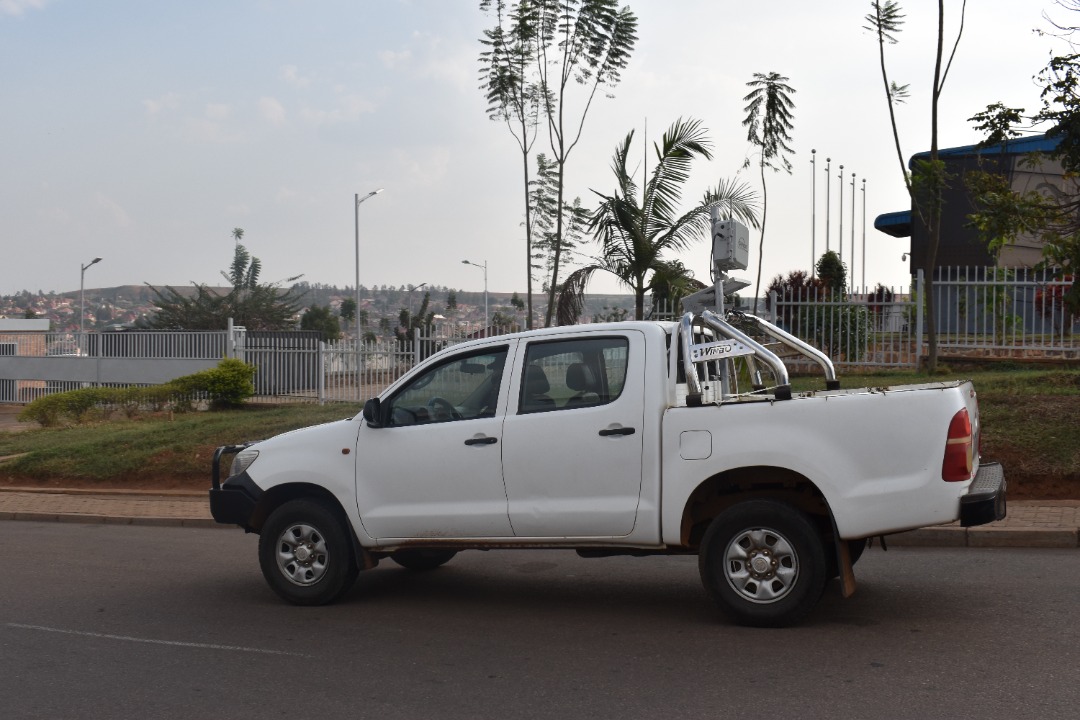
[
  {"x": 572, "y": 439},
  {"x": 434, "y": 470}
]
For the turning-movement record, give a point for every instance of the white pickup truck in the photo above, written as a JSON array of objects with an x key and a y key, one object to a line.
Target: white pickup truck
[{"x": 631, "y": 438}]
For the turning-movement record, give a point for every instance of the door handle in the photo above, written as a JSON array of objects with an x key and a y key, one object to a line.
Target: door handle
[
  {"x": 482, "y": 441},
  {"x": 617, "y": 431}
]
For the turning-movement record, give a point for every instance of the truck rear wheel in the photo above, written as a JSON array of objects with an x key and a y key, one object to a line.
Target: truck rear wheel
[
  {"x": 306, "y": 554},
  {"x": 763, "y": 563}
]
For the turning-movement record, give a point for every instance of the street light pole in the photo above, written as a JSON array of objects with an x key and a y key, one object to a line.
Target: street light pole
[
  {"x": 82, "y": 302},
  {"x": 484, "y": 268},
  {"x": 813, "y": 212},
  {"x": 356, "y": 216},
  {"x": 411, "y": 288}
]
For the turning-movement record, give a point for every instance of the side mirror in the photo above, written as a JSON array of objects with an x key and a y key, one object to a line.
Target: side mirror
[{"x": 373, "y": 413}]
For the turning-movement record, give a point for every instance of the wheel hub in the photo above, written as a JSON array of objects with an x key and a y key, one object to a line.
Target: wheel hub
[
  {"x": 761, "y": 565},
  {"x": 303, "y": 554}
]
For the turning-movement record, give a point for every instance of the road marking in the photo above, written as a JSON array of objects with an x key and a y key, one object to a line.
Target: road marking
[{"x": 150, "y": 641}]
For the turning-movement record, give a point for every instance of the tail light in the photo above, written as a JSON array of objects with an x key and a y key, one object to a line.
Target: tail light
[{"x": 959, "y": 450}]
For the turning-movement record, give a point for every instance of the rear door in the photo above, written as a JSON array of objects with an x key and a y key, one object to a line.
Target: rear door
[{"x": 572, "y": 438}]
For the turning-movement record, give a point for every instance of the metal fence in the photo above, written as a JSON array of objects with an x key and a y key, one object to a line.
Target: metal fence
[
  {"x": 981, "y": 313},
  {"x": 1008, "y": 314},
  {"x": 863, "y": 330},
  {"x": 1004, "y": 313}
]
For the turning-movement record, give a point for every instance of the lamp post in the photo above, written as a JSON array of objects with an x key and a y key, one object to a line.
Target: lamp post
[
  {"x": 82, "y": 302},
  {"x": 356, "y": 215},
  {"x": 851, "y": 279},
  {"x": 411, "y": 288},
  {"x": 484, "y": 268},
  {"x": 840, "y": 192},
  {"x": 813, "y": 212},
  {"x": 828, "y": 205}
]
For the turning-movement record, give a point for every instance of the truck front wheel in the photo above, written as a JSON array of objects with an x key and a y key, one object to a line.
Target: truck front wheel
[
  {"x": 763, "y": 563},
  {"x": 305, "y": 553}
]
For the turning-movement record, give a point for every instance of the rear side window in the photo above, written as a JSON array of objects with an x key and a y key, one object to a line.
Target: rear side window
[{"x": 569, "y": 374}]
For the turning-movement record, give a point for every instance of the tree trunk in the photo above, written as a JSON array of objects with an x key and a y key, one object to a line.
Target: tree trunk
[
  {"x": 528, "y": 242},
  {"x": 558, "y": 245},
  {"x": 761, "y": 243}
]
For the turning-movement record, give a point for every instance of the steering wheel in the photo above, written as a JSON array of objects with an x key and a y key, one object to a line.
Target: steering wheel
[{"x": 442, "y": 407}]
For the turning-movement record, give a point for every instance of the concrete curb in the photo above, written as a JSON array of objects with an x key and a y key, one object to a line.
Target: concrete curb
[
  {"x": 1031, "y": 524},
  {"x": 114, "y": 520},
  {"x": 987, "y": 537}
]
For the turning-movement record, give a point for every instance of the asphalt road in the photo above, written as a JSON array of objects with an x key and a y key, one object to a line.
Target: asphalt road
[{"x": 100, "y": 621}]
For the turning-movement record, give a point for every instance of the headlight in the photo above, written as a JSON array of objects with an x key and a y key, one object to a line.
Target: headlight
[{"x": 243, "y": 461}]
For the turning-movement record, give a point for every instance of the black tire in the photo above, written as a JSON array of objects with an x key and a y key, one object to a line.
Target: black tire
[
  {"x": 422, "y": 558},
  {"x": 306, "y": 553},
  {"x": 763, "y": 563}
]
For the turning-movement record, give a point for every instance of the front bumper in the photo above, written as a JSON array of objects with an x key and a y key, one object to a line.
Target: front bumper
[
  {"x": 985, "y": 499},
  {"x": 234, "y": 501}
]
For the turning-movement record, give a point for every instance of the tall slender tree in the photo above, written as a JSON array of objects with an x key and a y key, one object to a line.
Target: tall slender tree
[
  {"x": 636, "y": 229},
  {"x": 510, "y": 81},
  {"x": 585, "y": 43},
  {"x": 769, "y": 112},
  {"x": 926, "y": 184}
]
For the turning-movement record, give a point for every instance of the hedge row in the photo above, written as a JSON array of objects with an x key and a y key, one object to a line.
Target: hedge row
[{"x": 227, "y": 385}]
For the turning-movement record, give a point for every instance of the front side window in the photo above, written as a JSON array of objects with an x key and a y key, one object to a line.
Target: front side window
[
  {"x": 462, "y": 388},
  {"x": 568, "y": 374}
]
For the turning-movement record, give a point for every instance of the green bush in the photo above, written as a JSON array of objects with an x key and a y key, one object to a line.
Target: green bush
[
  {"x": 227, "y": 385},
  {"x": 230, "y": 383}
]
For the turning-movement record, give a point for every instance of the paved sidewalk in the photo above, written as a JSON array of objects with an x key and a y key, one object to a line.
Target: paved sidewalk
[
  {"x": 1031, "y": 523},
  {"x": 184, "y": 509}
]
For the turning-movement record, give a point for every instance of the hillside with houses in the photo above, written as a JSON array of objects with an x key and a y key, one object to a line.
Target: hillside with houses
[{"x": 381, "y": 306}]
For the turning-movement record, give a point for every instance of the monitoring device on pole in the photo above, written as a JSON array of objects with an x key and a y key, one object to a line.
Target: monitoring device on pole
[{"x": 730, "y": 243}]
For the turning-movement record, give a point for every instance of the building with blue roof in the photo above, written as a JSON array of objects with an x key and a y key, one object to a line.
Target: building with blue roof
[{"x": 961, "y": 245}]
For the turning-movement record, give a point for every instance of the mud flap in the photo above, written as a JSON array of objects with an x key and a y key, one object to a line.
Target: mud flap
[{"x": 847, "y": 574}]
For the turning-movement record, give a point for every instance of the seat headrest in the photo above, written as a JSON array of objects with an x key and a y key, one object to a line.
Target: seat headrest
[
  {"x": 536, "y": 382},
  {"x": 580, "y": 377}
]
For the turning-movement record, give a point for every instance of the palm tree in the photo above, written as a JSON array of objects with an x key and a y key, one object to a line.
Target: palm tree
[
  {"x": 635, "y": 232},
  {"x": 768, "y": 119}
]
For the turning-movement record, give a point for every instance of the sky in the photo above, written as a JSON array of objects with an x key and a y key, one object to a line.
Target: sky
[{"x": 144, "y": 132}]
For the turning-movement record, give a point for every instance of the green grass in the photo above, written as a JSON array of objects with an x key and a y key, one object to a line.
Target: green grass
[
  {"x": 1031, "y": 422},
  {"x": 123, "y": 452}
]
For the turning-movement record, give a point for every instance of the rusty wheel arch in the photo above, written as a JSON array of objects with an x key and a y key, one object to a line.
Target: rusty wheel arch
[{"x": 719, "y": 492}]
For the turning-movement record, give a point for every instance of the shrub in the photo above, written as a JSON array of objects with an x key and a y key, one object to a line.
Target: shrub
[
  {"x": 230, "y": 383},
  {"x": 227, "y": 385}
]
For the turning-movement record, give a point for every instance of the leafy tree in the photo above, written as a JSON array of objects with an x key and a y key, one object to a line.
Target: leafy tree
[
  {"x": 408, "y": 323},
  {"x": 451, "y": 300},
  {"x": 768, "y": 121},
  {"x": 511, "y": 82},
  {"x": 29, "y": 314},
  {"x": 636, "y": 231},
  {"x": 544, "y": 191},
  {"x": 255, "y": 305},
  {"x": 832, "y": 273},
  {"x": 517, "y": 302},
  {"x": 926, "y": 184},
  {"x": 348, "y": 309},
  {"x": 321, "y": 320},
  {"x": 670, "y": 282},
  {"x": 797, "y": 286},
  {"x": 585, "y": 43}
]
